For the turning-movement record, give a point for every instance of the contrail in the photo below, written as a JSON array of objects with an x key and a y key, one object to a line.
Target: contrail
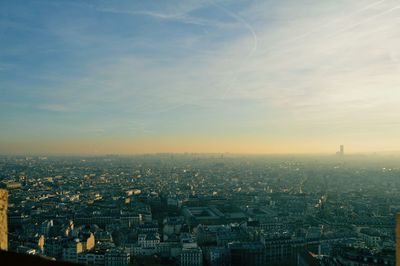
[
  {"x": 333, "y": 21},
  {"x": 316, "y": 29},
  {"x": 244, "y": 22},
  {"x": 255, "y": 41},
  {"x": 350, "y": 27},
  {"x": 365, "y": 20}
]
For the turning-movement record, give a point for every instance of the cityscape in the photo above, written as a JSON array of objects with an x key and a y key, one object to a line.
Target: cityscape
[
  {"x": 199, "y": 209},
  {"x": 200, "y": 133}
]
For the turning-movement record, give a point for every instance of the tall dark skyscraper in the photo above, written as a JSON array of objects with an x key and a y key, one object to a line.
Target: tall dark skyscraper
[{"x": 341, "y": 150}]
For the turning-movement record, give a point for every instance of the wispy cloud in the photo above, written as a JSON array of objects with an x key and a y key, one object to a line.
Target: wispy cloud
[
  {"x": 212, "y": 67},
  {"x": 183, "y": 18},
  {"x": 54, "y": 107},
  {"x": 181, "y": 13}
]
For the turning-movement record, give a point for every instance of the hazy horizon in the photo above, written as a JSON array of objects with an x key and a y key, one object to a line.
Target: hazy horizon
[
  {"x": 299, "y": 154},
  {"x": 244, "y": 77}
]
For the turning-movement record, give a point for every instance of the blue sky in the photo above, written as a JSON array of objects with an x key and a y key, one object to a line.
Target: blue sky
[{"x": 123, "y": 76}]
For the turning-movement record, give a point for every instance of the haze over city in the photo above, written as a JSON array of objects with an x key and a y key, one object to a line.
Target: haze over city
[
  {"x": 100, "y": 77},
  {"x": 200, "y": 133}
]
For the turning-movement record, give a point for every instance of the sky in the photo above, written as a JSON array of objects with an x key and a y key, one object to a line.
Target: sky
[{"x": 243, "y": 76}]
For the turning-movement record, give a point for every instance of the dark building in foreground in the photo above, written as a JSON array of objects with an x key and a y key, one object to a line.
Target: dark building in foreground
[
  {"x": 398, "y": 239},
  {"x": 3, "y": 219},
  {"x": 247, "y": 253}
]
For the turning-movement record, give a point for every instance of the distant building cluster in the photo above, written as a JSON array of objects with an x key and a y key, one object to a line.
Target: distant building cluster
[{"x": 200, "y": 210}]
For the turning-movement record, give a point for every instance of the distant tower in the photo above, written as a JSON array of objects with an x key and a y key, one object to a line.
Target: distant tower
[
  {"x": 341, "y": 151},
  {"x": 3, "y": 219}
]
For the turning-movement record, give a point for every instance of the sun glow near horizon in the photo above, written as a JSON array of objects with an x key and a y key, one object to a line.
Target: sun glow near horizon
[{"x": 224, "y": 76}]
